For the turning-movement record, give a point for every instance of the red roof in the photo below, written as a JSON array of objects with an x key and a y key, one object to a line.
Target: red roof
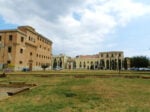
[{"x": 88, "y": 56}]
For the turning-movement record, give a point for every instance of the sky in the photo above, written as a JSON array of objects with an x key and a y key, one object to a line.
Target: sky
[{"x": 80, "y": 27}]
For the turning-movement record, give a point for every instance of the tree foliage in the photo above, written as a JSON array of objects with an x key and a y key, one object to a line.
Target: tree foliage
[
  {"x": 139, "y": 61},
  {"x": 44, "y": 66},
  {"x": 125, "y": 64},
  {"x": 55, "y": 63}
]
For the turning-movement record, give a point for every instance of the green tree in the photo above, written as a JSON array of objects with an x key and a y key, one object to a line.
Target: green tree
[
  {"x": 125, "y": 64},
  {"x": 139, "y": 61},
  {"x": 55, "y": 63},
  {"x": 119, "y": 64},
  {"x": 44, "y": 66}
]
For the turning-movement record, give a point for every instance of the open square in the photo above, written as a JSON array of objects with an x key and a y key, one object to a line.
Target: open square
[{"x": 63, "y": 91}]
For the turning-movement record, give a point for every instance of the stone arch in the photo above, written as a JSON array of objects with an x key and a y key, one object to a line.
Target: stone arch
[
  {"x": 60, "y": 63},
  {"x": 107, "y": 64},
  {"x": 55, "y": 63},
  {"x": 74, "y": 65}
]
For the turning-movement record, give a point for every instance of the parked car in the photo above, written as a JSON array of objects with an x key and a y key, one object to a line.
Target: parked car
[
  {"x": 136, "y": 69},
  {"x": 139, "y": 69},
  {"x": 144, "y": 69}
]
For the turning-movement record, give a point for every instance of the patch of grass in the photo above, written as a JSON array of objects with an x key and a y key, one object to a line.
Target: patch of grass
[
  {"x": 73, "y": 81},
  {"x": 90, "y": 97},
  {"x": 69, "y": 94},
  {"x": 28, "y": 107},
  {"x": 137, "y": 109}
]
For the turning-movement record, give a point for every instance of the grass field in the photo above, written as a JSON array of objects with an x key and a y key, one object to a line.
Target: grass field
[{"x": 84, "y": 94}]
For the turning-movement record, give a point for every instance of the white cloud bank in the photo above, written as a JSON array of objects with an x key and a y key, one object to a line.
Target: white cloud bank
[{"x": 74, "y": 26}]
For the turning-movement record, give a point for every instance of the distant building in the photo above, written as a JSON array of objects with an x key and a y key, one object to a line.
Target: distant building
[
  {"x": 113, "y": 60},
  {"x": 60, "y": 61},
  {"x": 127, "y": 63},
  {"x": 86, "y": 61},
  {"x": 104, "y": 60},
  {"x": 24, "y": 48}
]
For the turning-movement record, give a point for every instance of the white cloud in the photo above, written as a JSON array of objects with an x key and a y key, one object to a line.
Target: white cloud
[{"x": 74, "y": 26}]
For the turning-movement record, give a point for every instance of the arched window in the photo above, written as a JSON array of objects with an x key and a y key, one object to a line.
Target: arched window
[
  {"x": 60, "y": 62},
  {"x": 74, "y": 65},
  {"x": 107, "y": 64},
  {"x": 80, "y": 64},
  {"x": 55, "y": 63},
  {"x": 84, "y": 65}
]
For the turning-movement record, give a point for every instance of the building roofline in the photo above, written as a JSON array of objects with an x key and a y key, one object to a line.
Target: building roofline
[
  {"x": 44, "y": 37},
  {"x": 12, "y": 30},
  {"x": 9, "y": 30},
  {"x": 111, "y": 52},
  {"x": 29, "y": 28}
]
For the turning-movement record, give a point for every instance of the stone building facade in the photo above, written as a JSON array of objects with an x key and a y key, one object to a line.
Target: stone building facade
[
  {"x": 60, "y": 61},
  {"x": 112, "y": 60},
  {"x": 24, "y": 48}
]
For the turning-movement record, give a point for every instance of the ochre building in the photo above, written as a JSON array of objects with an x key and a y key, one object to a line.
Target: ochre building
[
  {"x": 113, "y": 60},
  {"x": 24, "y": 48}
]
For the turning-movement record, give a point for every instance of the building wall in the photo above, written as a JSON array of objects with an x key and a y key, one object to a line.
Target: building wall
[
  {"x": 85, "y": 63},
  {"x": 29, "y": 49},
  {"x": 60, "y": 61},
  {"x": 8, "y": 44},
  {"x": 127, "y": 63},
  {"x": 104, "y": 60},
  {"x": 112, "y": 59}
]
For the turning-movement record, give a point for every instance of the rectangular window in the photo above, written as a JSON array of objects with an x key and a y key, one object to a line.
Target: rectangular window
[
  {"x": 30, "y": 53},
  {"x": 20, "y": 62},
  {"x": 9, "y": 49},
  {"x": 119, "y": 55},
  {"x": 22, "y": 39},
  {"x": 21, "y": 51},
  {"x": 107, "y": 55},
  {"x": 8, "y": 62},
  {"x": 10, "y": 37}
]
